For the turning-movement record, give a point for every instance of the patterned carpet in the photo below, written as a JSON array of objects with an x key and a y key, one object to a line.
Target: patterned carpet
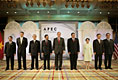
[{"x": 64, "y": 74}]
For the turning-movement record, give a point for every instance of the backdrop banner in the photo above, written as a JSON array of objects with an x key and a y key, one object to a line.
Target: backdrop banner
[{"x": 51, "y": 28}]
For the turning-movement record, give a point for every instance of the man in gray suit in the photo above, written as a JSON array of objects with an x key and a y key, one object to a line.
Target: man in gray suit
[{"x": 59, "y": 48}]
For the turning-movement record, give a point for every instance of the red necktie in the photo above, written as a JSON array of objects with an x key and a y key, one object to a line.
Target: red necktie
[
  {"x": 59, "y": 41},
  {"x": 46, "y": 42},
  {"x": 73, "y": 40}
]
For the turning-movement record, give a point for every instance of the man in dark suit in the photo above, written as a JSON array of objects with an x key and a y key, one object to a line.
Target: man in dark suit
[
  {"x": 46, "y": 51},
  {"x": 34, "y": 50},
  {"x": 59, "y": 48},
  {"x": 10, "y": 51},
  {"x": 109, "y": 49},
  {"x": 21, "y": 51},
  {"x": 98, "y": 48},
  {"x": 73, "y": 50}
]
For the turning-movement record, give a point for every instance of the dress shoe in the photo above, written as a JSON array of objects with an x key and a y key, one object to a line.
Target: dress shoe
[
  {"x": 12, "y": 69},
  {"x": 31, "y": 68},
  {"x": 96, "y": 68},
  {"x": 18, "y": 68},
  {"x": 106, "y": 68},
  {"x": 44, "y": 69},
  {"x": 110, "y": 68},
  {"x": 59, "y": 68},
  {"x": 100, "y": 68},
  {"x": 25, "y": 69},
  {"x": 75, "y": 68},
  {"x": 6, "y": 69}
]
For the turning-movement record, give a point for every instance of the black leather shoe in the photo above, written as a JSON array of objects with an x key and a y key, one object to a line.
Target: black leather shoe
[
  {"x": 18, "y": 68},
  {"x": 59, "y": 68},
  {"x": 75, "y": 68},
  {"x": 12, "y": 69},
  {"x": 56, "y": 68},
  {"x": 110, "y": 68},
  {"x": 6, "y": 69},
  {"x": 106, "y": 68},
  {"x": 31, "y": 68},
  {"x": 44, "y": 69},
  {"x": 96, "y": 68},
  {"x": 25, "y": 69},
  {"x": 100, "y": 68}
]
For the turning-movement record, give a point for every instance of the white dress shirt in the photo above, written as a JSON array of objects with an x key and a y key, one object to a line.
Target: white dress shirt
[
  {"x": 21, "y": 39},
  {"x": 34, "y": 41},
  {"x": 99, "y": 40}
]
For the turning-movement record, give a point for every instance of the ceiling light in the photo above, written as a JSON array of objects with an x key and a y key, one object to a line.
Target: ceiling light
[
  {"x": 100, "y": 12},
  {"x": 48, "y": 12},
  {"x": 68, "y": 12},
  {"x": 7, "y": 12},
  {"x": 38, "y": 12},
  {"x": 108, "y": 12},
  {"x": 15, "y": 12},
  {"x": 78, "y": 12}
]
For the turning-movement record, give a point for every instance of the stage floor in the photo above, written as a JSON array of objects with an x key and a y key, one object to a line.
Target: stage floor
[{"x": 64, "y": 74}]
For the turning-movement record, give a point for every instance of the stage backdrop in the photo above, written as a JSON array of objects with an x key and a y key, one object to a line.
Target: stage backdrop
[
  {"x": 85, "y": 30},
  {"x": 14, "y": 28},
  {"x": 51, "y": 28},
  {"x": 89, "y": 30}
]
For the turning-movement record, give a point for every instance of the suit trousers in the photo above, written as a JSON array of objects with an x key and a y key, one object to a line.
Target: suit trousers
[
  {"x": 58, "y": 60},
  {"x": 73, "y": 60},
  {"x": 19, "y": 61},
  {"x": 98, "y": 57},
  {"x": 11, "y": 58},
  {"x": 47, "y": 58},
  {"x": 107, "y": 60},
  {"x": 36, "y": 61}
]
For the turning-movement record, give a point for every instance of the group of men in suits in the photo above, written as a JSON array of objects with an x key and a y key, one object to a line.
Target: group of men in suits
[
  {"x": 103, "y": 47},
  {"x": 99, "y": 47}
]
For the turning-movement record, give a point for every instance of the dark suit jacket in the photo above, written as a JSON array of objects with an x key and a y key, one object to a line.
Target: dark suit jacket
[
  {"x": 22, "y": 47},
  {"x": 10, "y": 49},
  {"x": 98, "y": 47},
  {"x": 58, "y": 47},
  {"x": 46, "y": 48},
  {"x": 34, "y": 48},
  {"x": 73, "y": 46},
  {"x": 109, "y": 46}
]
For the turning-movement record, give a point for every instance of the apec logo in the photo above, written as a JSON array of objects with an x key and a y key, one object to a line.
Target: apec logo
[{"x": 50, "y": 29}]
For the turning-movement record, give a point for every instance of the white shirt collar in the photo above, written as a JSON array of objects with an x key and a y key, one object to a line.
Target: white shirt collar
[
  {"x": 21, "y": 37},
  {"x": 10, "y": 42},
  {"x": 34, "y": 40}
]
